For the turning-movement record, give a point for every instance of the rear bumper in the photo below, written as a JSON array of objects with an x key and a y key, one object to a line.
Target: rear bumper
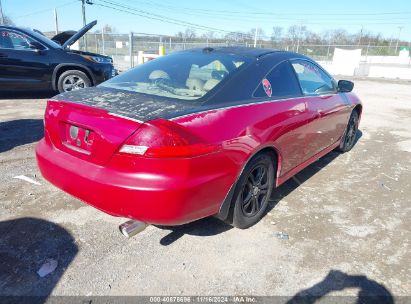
[{"x": 194, "y": 189}]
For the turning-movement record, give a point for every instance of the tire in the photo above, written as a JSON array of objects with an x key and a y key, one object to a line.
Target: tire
[
  {"x": 73, "y": 80},
  {"x": 350, "y": 134},
  {"x": 253, "y": 191}
]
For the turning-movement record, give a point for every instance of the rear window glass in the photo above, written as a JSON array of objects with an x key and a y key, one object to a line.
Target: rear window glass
[
  {"x": 185, "y": 76},
  {"x": 280, "y": 82}
]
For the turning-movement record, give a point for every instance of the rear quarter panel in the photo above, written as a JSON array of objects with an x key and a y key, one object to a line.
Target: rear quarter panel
[{"x": 244, "y": 130}]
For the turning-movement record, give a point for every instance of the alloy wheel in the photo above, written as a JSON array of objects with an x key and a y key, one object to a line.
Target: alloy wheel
[
  {"x": 73, "y": 82},
  {"x": 351, "y": 132},
  {"x": 255, "y": 190}
]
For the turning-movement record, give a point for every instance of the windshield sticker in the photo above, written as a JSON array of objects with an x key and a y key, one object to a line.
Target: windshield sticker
[
  {"x": 267, "y": 87},
  {"x": 12, "y": 35},
  {"x": 312, "y": 68}
]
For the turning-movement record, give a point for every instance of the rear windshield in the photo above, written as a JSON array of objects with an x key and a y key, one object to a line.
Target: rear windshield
[{"x": 185, "y": 76}]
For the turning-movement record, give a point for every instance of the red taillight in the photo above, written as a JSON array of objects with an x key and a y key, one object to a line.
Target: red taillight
[{"x": 163, "y": 138}]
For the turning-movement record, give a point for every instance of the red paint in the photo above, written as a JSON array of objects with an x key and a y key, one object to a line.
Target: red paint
[{"x": 191, "y": 162}]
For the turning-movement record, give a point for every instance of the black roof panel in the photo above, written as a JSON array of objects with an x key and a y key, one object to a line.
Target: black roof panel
[
  {"x": 239, "y": 50},
  {"x": 247, "y": 51}
]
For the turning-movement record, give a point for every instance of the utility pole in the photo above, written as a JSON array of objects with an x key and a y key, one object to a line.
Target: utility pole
[
  {"x": 130, "y": 49},
  {"x": 56, "y": 22},
  {"x": 359, "y": 40},
  {"x": 83, "y": 9},
  {"x": 255, "y": 37},
  {"x": 102, "y": 41},
  {"x": 409, "y": 50},
  {"x": 299, "y": 34},
  {"x": 389, "y": 46},
  {"x": 398, "y": 39},
  {"x": 329, "y": 44},
  {"x": 1, "y": 14}
]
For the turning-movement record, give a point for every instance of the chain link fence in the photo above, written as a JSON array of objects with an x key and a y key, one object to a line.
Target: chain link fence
[
  {"x": 121, "y": 46},
  {"x": 125, "y": 48}
]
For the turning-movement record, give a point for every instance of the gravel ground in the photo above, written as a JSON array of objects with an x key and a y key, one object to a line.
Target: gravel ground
[{"x": 346, "y": 217}]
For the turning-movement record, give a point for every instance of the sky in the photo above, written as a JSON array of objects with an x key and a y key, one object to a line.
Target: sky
[{"x": 167, "y": 17}]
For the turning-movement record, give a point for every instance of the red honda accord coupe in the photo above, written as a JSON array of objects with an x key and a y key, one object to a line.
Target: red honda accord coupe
[{"x": 196, "y": 133}]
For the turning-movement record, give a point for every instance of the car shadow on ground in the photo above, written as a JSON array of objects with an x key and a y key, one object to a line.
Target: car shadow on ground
[
  {"x": 205, "y": 227},
  {"x": 304, "y": 175},
  {"x": 19, "y": 132},
  {"x": 27, "y": 95},
  {"x": 299, "y": 179},
  {"x": 26, "y": 244},
  {"x": 370, "y": 292},
  {"x": 211, "y": 226}
]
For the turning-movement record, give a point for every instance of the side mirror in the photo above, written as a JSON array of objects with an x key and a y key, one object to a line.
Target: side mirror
[
  {"x": 34, "y": 45},
  {"x": 345, "y": 86}
]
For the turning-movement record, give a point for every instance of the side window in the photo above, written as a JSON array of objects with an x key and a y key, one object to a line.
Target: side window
[
  {"x": 312, "y": 79},
  {"x": 14, "y": 40},
  {"x": 280, "y": 82}
]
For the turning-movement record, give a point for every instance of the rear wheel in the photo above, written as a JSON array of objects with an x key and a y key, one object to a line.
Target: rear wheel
[
  {"x": 348, "y": 140},
  {"x": 253, "y": 191},
  {"x": 73, "y": 80}
]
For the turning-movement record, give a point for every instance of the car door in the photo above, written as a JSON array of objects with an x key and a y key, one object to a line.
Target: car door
[
  {"x": 328, "y": 110},
  {"x": 289, "y": 113},
  {"x": 22, "y": 67}
]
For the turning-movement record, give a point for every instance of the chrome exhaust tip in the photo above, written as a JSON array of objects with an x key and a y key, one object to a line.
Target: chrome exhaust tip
[{"x": 132, "y": 227}]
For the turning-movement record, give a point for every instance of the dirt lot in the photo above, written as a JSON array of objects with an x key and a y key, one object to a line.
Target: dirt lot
[{"x": 347, "y": 217}]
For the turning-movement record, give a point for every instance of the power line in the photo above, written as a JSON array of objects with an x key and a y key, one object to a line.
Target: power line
[
  {"x": 162, "y": 18},
  {"x": 45, "y": 10},
  {"x": 260, "y": 19},
  {"x": 191, "y": 9},
  {"x": 145, "y": 14},
  {"x": 148, "y": 15},
  {"x": 219, "y": 14},
  {"x": 136, "y": 14},
  {"x": 131, "y": 11}
]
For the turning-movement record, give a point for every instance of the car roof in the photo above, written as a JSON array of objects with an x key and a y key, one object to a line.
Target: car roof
[
  {"x": 25, "y": 30},
  {"x": 246, "y": 51},
  {"x": 9, "y": 27}
]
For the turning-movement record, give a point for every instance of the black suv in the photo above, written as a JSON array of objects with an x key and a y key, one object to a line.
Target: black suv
[{"x": 31, "y": 61}]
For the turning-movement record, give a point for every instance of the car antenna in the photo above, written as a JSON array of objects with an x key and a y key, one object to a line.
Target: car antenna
[{"x": 208, "y": 49}]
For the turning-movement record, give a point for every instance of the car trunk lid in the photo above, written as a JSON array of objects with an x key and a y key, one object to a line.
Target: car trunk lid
[
  {"x": 93, "y": 123},
  {"x": 132, "y": 105},
  {"x": 87, "y": 132}
]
